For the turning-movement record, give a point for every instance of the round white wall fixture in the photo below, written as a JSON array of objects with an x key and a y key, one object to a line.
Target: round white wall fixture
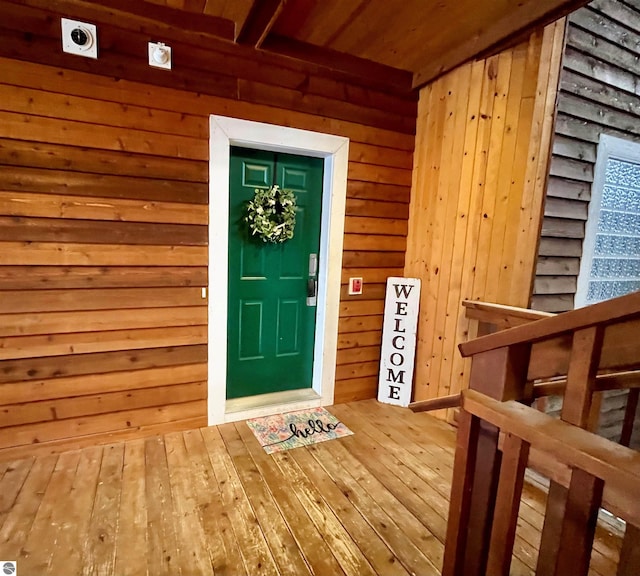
[
  {"x": 159, "y": 55},
  {"x": 79, "y": 38}
]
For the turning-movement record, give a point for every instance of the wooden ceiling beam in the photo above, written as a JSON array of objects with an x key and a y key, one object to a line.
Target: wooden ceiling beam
[
  {"x": 211, "y": 25},
  {"x": 503, "y": 33},
  {"x": 339, "y": 61},
  {"x": 141, "y": 12},
  {"x": 521, "y": 35},
  {"x": 236, "y": 10},
  {"x": 261, "y": 19}
]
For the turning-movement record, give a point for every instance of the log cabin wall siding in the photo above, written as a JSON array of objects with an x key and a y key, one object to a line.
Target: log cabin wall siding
[
  {"x": 599, "y": 94},
  {"x": 103, "y": 222},
  {"x": 482, "y": 149}
]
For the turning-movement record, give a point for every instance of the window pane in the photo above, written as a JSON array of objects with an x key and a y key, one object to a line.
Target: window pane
[
  {"x": 615, "y": 268},
  {"x": 621, "y": 199},
  {"x": 608, "y": 245},
  {"x": 619, "y": 223},
  {"x": 623, "y": 173},
  {"x": 615, "y": 264},
  {"x": 606, "y": 289}
]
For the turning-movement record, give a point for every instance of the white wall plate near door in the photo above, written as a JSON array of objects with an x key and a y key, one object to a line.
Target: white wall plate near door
[
  {"x": 79, "y": 38},
  {"x": 159, "y": 55}
]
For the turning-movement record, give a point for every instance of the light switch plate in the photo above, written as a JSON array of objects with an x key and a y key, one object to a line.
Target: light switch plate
[{"x": 79, "y": 38}]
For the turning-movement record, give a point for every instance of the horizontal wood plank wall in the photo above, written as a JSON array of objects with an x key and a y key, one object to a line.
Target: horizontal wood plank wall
[
  {"x": 103, "y": 224},
  {"x": 480, "y": 164},
  {"x": 599, "y": 94}
]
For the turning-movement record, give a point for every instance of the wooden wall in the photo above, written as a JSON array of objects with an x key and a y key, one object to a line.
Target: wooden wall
[
  {"x": 480, "y": 164},
  {"x": 599, "y": 94},
  {"x": 103, "y": 209}
]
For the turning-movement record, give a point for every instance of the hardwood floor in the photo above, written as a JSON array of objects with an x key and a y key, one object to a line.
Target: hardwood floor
[{"x": 210, "y": 501}]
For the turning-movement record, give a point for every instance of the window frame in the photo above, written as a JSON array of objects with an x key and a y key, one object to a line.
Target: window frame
[{"x": 608, "y": 147}]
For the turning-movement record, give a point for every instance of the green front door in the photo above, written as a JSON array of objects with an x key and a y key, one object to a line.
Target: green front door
[{"x": 271, "y": 322}]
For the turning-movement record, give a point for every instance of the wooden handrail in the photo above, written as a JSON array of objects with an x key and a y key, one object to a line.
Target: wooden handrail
[
  {"x": 616, "y": 381},
  {"x": 451, "y": 401},
  {"x": 490, "y": 315},
  {"x": 604, "y": 313},
  {"x": 574, "y": 447},
  {"x": 501, "y": 315},
  {"x": 587, "y": 350}
]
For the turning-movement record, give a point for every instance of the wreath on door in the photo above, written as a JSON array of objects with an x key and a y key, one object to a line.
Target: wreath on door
[{"x": 271, "y": 214}]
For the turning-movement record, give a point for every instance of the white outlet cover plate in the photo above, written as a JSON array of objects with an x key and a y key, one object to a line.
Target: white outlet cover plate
[{"x": 88, "y": 50}]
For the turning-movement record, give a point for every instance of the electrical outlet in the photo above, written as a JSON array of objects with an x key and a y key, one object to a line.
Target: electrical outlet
[
  {"x": 355, "y": 286},
  {"x": 79, "y": 38}
]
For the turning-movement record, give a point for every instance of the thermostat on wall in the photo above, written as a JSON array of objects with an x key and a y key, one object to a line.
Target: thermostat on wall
[{"x": 79, "y": 38}]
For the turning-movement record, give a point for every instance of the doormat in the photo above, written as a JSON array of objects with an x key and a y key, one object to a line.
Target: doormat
[{"x": 294, "y": 429}]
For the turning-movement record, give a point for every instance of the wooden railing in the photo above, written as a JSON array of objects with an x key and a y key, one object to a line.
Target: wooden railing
[
  {"x": 491, "y": 318},
  {"x": 498, "y": 437}
]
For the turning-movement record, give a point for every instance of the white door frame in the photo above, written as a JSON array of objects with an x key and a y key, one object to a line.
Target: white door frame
[{"x": 224, "y": 133}]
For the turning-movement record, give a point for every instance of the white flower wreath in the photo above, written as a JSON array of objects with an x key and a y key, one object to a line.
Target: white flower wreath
[{"x": 271, "y": 214}]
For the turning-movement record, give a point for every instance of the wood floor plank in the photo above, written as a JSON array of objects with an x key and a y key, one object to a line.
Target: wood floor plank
[
  {"x": 608, "y": 538},
  {"x": 131, "y": 542},
  {"x": 435, "y": 488},
  {"x": 3, "y": 467},
  {"x": 73, "y": 521},
  {"x": 381, "y": 557},
  {"x": 316, "y": 551},
  {"x": 605, "y": 553},
  {"x": 100, "y": 547},
  {"x": 398, "y": 443},
  {"x": 400, "y": 481},
  {"x": 351, "y": 559},
  {"x": 283, "y": 545},
  {"x": 161, "y": 535},
  {"x": 438, "y": 435},
  {"x": 19, "y": 519},
  {"x": 432, "y": 437},
  {"x": 15, "y": 473},
  {"x": 519, "y": 568},
  {"x": 211, "y": 501},
  {"x": 526, "y": 546},
  {"x": 224, "y": 549},
  {"x": 192, "y": 544},
  {"x": 393, "y": 522},
  {"x": 253, "y": 546},
  {"x": 35, "y": 556}
]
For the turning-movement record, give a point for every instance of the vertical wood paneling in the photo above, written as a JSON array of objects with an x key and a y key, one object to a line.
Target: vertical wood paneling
[
  {"x": 481, "y": 147},
  {"x": 103, "y": 225}
]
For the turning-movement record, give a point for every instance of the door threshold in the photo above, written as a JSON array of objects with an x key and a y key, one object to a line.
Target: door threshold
[{"x": 272, "y": 403}]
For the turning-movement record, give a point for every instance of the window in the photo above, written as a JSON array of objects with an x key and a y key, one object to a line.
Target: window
[{"x": 610, "y": 263}]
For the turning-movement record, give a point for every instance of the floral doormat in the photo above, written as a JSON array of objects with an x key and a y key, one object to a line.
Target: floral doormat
[{"x": 294, "y": 429}]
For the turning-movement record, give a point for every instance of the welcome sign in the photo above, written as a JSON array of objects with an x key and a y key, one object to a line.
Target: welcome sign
[{"x": 402, "y": 302}]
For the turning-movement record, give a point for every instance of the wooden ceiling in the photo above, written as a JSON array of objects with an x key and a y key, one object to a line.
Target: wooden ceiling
[{"x": 422, "y": 38}]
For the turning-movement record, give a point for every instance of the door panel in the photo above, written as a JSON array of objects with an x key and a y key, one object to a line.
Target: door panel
[
  {"x": 289, "y": 316},
  {"x": 270, "y": 327}
]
